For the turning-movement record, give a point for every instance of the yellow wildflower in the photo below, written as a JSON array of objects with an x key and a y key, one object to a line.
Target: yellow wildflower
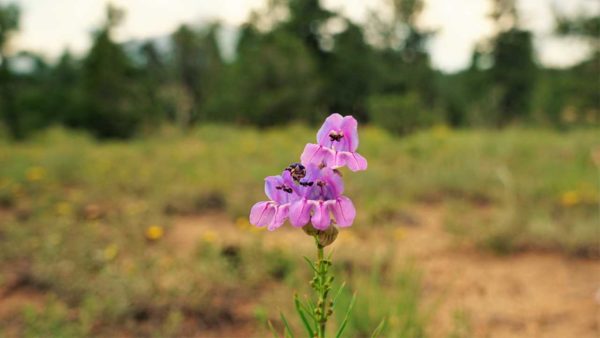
[
  {"x": 35, "y": 174},
  {"x": 244, "y": 224},
  {"x": 399, "y": 234},
  {"x": 209, "y": 236},
  {"x": 154, "y": 232},
  {"x": 569, "y": 198},
  {"x": 110, "y": 252},
  {"x": 63, "y": 209}
]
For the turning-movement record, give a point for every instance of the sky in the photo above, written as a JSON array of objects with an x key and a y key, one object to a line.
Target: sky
[{"x": 50, "y": 26}]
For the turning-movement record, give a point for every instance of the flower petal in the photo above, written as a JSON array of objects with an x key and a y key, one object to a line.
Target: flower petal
[
  {"x": 311, "y": 154},
  {"x": 350, "y": 129},
  {"x": 271, "y": 184},
  {"x": 313, "y": 172},
  {"x": 334, "y": 183},
  {"x": 262, "y": 213},
  {"x": 300, "y": 212},
  {"x": 320, "y": 218},
  {"x": 343, "y": 211},
  {"x": 354, "y": 161},
  {"x": 281, "y": 216},
  {"x": 316, "y": 154},
  {"x": 333, "y": 122}
]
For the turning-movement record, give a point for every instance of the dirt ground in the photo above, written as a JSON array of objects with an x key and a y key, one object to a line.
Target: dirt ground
[
  {"x": 531, "y": 294},
  {"x": 528, "y": 294}
]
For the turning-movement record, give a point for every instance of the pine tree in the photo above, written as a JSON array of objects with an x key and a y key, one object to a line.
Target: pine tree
[
  {"x": 514, "y": 71},
  {"x": 9, "y": 23},
  {"x": 110, "y": 97}
]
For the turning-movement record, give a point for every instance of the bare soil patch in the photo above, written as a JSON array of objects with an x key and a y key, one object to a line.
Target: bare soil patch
[{"x": 530, "y": 294}]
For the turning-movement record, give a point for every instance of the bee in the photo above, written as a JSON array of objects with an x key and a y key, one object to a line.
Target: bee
[
  {"x": 284, "y": 188},
  {"x": 335, "y": 136},
  {"x": 297, "y": 170}
]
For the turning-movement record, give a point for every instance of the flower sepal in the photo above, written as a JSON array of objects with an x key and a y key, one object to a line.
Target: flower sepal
[{"x": 323, "y": 237}]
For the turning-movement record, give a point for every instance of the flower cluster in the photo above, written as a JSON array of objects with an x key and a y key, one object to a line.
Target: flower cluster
[{"x": 311, "y": 191}]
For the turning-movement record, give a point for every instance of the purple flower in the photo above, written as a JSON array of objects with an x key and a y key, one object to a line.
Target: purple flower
[
  {"x": 337, "y": 142},
  {"x": 273, "y": 213},
  {"x": 311, "y": 192},
  {"x": 320, "y": 197}
]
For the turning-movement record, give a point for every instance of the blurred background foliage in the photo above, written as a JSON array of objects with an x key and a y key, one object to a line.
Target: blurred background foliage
[
  {"x": 296, "y": 61},
  {"x": 151, "y": 236},
  {"x": 127, "y": 173}
]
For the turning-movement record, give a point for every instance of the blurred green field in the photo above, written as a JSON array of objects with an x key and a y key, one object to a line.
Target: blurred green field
[{"x": 87, "y": 223}]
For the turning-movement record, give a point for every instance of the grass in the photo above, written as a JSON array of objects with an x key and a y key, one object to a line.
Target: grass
[
  {"x": 76, "y": 219},
  {"x": 393, "y": 299}
]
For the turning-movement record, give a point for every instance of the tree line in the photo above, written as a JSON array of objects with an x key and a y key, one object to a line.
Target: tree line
[{"x": 294, "y": 60}]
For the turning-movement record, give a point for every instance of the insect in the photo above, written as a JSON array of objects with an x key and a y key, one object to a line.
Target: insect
[
  {"x": 284, "y": 188},
  {"x": 297, "y": 170},
  {"x": 336, "y": 136}
]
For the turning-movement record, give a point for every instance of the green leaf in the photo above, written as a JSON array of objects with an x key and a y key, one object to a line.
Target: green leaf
[
  {"x": 345, "y": 321},
  {"x": 312, "y": 265},
  {"x": 272, "y": 329},
  {"x": 378, "y": 329},
  {"x": 288, "y": 330},
  {"x": 337, "y": 294},
  {"x": 308, "y": 308},
  {"x": 330, "y": 254},
  {"x": 303, "y": 317},
  {"x": 311, "y": 306}
]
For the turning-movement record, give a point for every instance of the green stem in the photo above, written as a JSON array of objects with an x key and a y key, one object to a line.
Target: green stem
[
  {"x": 322, "y": 295},
  {"x": 322, "y": 285},
  {"x": 319, "y": 252}
]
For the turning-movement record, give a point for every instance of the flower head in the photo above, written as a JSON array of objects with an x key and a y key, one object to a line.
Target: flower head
[
  {"x": 320, "y": 198},
  {"x": 35, "y": 174},
  {"x": 273, "y": 213},
  {"x": 569, "y": 198},
  {"x": 110, "y": 252},
  {"x": 154, "y": 232},
  {"x": 337, "y": 141},
  {"x": 312, "y": 191}
]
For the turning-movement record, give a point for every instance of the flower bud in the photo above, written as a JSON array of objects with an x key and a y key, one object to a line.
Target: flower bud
[
  {"x": 324, "y": 237},
  {"x": 328, "y": 236},
  {"x": 310, "y": 230}
]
